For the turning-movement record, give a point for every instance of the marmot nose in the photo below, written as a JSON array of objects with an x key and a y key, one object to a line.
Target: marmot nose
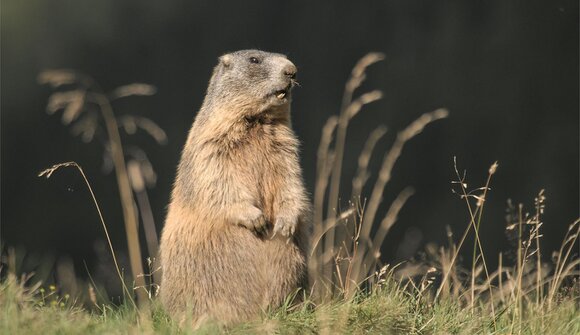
[{"x": 290, "y": 71}]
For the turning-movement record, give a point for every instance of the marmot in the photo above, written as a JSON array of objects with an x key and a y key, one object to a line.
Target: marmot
[{"x": 236, "y": 235}]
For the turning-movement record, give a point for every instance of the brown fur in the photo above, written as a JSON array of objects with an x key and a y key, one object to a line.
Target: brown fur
[{"x": 235, "y": 237}]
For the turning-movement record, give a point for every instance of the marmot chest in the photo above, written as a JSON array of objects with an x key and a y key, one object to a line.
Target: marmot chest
[
  {"x": 270, "y": 158},
  {"x": 269, "y": 151}
]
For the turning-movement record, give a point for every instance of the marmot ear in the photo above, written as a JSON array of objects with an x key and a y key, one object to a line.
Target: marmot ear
[{"x": 226, "y": 60}]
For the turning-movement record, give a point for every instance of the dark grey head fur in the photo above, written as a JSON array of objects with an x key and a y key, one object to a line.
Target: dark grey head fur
[{"x": 250, "y": 82}]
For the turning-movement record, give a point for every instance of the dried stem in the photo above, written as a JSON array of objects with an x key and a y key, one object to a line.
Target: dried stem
[
  {"x": 480, "y": 204},
  {"x": 48, "y": 173},
  {"x": 324, "y": 165},
  {"x": 567, "y": 246},
  {"x": 150, "y": 231},
  {"x": 389, "y": 161},
  {"x": 471, "y": 223},
  {"x": 348, "y": 110},
  {"x": 388, "y": 222},
  {"x": 362, "y": 174},
  {"x": 537, "y": 221},
  {"x": 323, "y": 171},
  {"x": 125, "y": 193}
]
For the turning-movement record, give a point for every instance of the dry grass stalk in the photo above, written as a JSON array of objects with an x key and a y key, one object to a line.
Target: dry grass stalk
[
  {"x": 389, "y": 160},
  {"x": 472, "y": 215},
  {"x": 362, "y": 174},
  {"x": 324, "y": 165},
  {"x": 563, "y": 268},
  {"x": 129, "y": 211},
  {"x": 539, "y": 204},
  {"x": 475, "y": 223},
  {"x": 348, "y": 110},
  {"x": 47, "y": 173},
  {"x": 138, "y": 182},
  {"x": 388, "y": 221}
]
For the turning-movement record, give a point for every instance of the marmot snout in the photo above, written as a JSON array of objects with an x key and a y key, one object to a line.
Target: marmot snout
[{"x": 236, "y": 233}]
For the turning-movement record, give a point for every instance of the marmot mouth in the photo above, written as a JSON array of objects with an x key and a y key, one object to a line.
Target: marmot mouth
[{"x": 281, "y": 94}]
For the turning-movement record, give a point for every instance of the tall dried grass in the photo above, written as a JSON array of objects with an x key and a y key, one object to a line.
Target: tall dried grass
[
  {"x": 79, "y": 95},
  {"x": 344, "y": 254}
]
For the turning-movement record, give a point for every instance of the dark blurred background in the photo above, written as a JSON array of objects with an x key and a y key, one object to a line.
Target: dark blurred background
[{"x": 506, "y": 70}]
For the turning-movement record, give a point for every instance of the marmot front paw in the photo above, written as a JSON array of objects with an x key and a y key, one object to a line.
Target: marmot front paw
[
  {"x": 252, "y": 218},
  {"x": 285, "y": 226}
]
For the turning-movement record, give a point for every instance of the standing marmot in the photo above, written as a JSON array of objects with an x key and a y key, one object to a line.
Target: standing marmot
[{"x": 235, "y": 238}]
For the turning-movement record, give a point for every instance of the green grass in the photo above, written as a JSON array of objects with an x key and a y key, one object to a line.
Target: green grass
[{"x": 389, "y": 309}]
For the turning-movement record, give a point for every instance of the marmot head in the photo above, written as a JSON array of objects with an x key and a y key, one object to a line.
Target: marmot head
[{"x": 252, "y": 81}]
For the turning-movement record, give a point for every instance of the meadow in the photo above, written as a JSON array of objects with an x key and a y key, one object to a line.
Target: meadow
[{"x": 352, "y": 291}]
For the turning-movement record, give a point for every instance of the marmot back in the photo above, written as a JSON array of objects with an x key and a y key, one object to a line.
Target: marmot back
[{"x": 235, "y": 237}]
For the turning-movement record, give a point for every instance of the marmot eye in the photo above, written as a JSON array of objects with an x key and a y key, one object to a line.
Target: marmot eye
[{"x": 254, "y": 60}]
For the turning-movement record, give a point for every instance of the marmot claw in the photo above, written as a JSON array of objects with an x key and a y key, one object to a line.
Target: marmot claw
[
  {"x": 286, "y": 226},
  {"x": 253, "y": 219}
]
